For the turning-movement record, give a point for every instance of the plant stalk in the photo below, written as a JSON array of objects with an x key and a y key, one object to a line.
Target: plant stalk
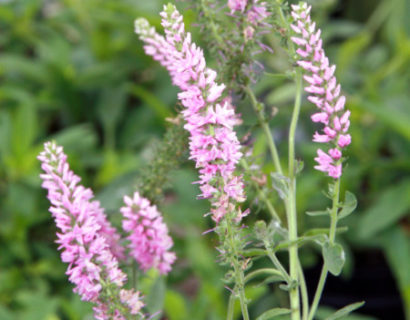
[
  {"x": 262, "y": 194},
  {"x": 277, "y": 263},
  {"x": 291, "y": 203},
  {"x": 259, "y": 109},
  {"x": 332, "y": 235},
  {"x": 231, "y": 307},
  {"x": 238, "y": 270}
]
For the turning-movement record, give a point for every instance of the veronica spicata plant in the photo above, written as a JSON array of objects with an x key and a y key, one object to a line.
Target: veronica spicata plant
[{"x": 94, "y": 249}]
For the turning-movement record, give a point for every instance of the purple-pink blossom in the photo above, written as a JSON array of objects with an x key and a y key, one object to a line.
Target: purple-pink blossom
[
  {"x": 324, "y": 91},
  {"x": 209, "y": 118},
  {"x": 149, "y": 242},
  {"x": 85, "y": 236}
]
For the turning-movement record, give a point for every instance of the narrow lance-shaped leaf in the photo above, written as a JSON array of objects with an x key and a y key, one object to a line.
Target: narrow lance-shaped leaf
[
  {"x": 270, "y": 314},
  {"x": 345, "y": 310}
]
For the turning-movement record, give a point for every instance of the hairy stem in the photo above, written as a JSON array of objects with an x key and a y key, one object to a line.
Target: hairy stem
[
  {"x": 293, "y": 125},
  {"x": 238, "y": 270},
  {"x": 293, "y": 251},
  {"x": 212, "y": 24},
  {"x": 291, "y": 210},
  {"x": 332, "y": 235},
  {"x": 231, "y": 307},
  {"x": 259, "y": 109},
  {"x": 277, "y": 263},
  {"x": 261, "y": 194},
  {"x": 304, "y": 293}
]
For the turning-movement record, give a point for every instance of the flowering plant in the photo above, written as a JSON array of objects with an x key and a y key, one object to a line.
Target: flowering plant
[{"x": 93, "y": 248}]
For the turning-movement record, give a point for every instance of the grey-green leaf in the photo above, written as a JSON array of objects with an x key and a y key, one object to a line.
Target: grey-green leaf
[
  {"x": 388, "y": 208},
  {"x": 349, "y": 205},
  {"x": 270, "y": 314},
  {"x": 318, "y": 213},
  {"x": 345, "y": 310},
  {"x": 281, "y": 184},
  {"x": 334, "y": 257}
]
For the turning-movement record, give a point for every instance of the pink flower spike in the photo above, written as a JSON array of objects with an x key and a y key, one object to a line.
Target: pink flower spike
[
  {"x": 210, "y": 120},
  {"x": 323, "y": 87},
  {"x": 148, "y": 234},
  {"x": 86, "y": 238}
]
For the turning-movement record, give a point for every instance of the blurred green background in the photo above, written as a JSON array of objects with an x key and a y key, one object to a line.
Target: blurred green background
[{"x": 74, "y": 71}]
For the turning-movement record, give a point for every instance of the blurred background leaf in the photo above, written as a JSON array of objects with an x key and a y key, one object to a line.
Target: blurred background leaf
[{"x": 75, "y": 72}]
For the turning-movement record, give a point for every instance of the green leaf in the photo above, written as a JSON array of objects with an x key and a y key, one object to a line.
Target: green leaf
[
  {"x": 334, "y": 257},
  {"x": 271, "y": 279},
  {"x": 155, "y": 298},
  {"x": 345, "y": 310},
  {"x": 349, "y": 205},
  {"x": 175, "y": 306},
  {"x": 281, "y": 184},
  {"x": 110, "y": 108},
  {"x": 281, "y": 94},
  {"x": 323, "y": 231},
  {"x": 276, "y": 273},
  {"x": 397, "y": 119},
  {"x": 318, "y": 213},
  {"x": 388, "y": 208},
  {"x": 151, "y": 100},
  {"x": 78, "y": 139},
  {"x": 396, "y": 246},
  {"x": 270, "y": 314}
]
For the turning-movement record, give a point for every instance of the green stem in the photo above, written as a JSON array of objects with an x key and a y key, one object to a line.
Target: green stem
[
  {"x": 242, "y": 299},
  {"x": 304, "y": 293},
  {"x": 293, "y": 251},
  {"x": 332, "y": 235},
  {"x": 212, "y": 25},
  {"x": 258, "y": 107},
  {"x": 294, "y": 123},
  {"x": 258, "y": 272},
  {"x": 134, "y": 276},
  {"x": 238, "y": 270},
  {"x": 262, "y": 194},
  {"x": 277, "y": 263},
  {"x": 231, "y": 307},
  {"x": 291, "y": 203}
]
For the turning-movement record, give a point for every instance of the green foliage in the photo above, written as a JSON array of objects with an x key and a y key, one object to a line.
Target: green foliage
[
  {"x": 272, "y": 313},
  {"x": 345, "y": 311},
  {"x": 334, "y": 257}
]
